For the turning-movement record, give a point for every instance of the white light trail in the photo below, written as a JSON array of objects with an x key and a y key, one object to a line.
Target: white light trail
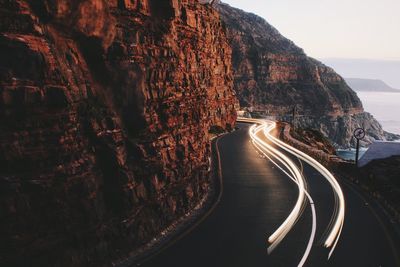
[
  {"x": 339, "y": 213},
  {"x": 298, "y": 178},
  {"x": 282, "y": 231},
  {"x": 314, "y": 216},
  {"x": 336, "y": 230}
]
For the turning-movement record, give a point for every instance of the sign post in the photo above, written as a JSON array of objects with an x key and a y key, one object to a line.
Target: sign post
[
  {"x": 359, "y": 134},
  {"x": 294, "y": 117}
]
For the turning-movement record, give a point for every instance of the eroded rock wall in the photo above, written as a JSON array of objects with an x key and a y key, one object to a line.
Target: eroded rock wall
[
  {"x": 273, "y": 75},
  {"x": 105, "y": 110}
]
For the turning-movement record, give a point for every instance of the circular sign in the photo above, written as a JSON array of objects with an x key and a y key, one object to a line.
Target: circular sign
[{"x": 359, "y": 133}]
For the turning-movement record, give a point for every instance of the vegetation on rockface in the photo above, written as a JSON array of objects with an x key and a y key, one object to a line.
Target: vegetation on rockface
[
  {"x": 216, "y": 130},
  {"x": 313, "y": 138}
]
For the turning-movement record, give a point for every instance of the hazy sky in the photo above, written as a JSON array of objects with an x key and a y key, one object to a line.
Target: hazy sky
[{"x": 334, "y": 28}]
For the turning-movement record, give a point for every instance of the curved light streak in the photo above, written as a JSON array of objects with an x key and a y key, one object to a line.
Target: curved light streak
[
  {"x": 287, "y": 225},
  {"x": 314, "y": 216},
  {"x": 336, "y": 229},
  {"x": 298, "y": 178}
]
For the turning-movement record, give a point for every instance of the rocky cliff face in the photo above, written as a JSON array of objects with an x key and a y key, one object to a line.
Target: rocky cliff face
[
  {"x": 273, "y": 75},
  {"x": 105, "y": 108}
]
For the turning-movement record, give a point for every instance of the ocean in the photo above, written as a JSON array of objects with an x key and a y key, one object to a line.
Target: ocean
[
  {"x": 385, "y": 107},
  {"x": 350, "y": 154}
]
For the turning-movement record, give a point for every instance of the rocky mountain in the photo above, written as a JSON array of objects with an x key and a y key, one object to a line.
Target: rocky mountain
[
  {"x": 370, "y": 85},
  {"x": 274, "y": 76},
  {"x": 105, "y": 111},
  {"x": 107, "y": 108}
]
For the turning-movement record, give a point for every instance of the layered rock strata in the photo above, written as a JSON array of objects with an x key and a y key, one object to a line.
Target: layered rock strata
[
  {"x": 105, "y": 110},
  {"x": 274, "y": 76}
]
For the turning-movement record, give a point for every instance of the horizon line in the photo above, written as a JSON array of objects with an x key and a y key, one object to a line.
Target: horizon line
[{"x": 360, "y": 58}]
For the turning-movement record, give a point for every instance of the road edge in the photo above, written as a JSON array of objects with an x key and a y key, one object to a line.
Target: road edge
[
  {"x": 377, "y": 209},
  {"x": 190, "y": 222}
]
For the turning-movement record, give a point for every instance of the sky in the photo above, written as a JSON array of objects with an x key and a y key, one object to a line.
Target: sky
[{"x": 358, "y": 29}]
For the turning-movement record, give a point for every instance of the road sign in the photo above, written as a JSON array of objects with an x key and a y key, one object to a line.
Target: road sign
[{"x": 359, "y": 133}]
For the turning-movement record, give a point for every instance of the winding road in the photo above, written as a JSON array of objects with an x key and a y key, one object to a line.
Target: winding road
[{"x": 280, "y": 207}]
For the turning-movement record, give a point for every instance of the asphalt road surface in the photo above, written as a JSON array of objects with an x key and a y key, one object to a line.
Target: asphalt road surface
[{"x": 257, "y": 198}]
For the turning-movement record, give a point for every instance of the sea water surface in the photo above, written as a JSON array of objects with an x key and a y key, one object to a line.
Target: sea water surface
[
  {"x": 350, "y": 154},
  {"x": 385, "y": 107}
]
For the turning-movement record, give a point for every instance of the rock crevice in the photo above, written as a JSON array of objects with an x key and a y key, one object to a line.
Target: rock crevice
[{"x": 105, "y": 112}]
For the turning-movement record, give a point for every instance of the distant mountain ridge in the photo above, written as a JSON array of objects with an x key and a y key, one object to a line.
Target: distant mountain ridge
[
  {"x": 370, "y": 85},
  {"x": 385, "y": 70},
  {"x": 274, "y": 76}
]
